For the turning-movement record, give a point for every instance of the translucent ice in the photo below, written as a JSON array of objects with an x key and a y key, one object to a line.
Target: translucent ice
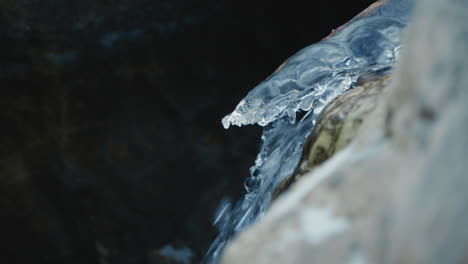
[
  {"x": 371, "y": 40},
  {"x": 288, "y": 103}
]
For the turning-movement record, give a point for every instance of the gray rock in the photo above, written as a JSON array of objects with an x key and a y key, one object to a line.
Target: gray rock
[{"x": 397, "y": 194}]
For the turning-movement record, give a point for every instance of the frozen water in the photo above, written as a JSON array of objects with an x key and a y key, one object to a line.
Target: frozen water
[
  {"x": 327, "y": 67},
  {"x": 306, "y": 83}
]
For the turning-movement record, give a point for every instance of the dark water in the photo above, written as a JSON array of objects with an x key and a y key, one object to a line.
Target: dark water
[{"x": 111, "y": 146}]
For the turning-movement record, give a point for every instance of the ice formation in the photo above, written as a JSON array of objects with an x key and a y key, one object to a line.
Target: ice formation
[{"x": 288, "y": 103}]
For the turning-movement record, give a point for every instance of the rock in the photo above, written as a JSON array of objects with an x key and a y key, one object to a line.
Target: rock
[
  {"x": 341, "y": 120},
  {"x": 397, "y": 194},
  {"x": 339, "y": 124}
]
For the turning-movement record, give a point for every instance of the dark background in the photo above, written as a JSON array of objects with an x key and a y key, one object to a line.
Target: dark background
[{"x": 111, "y": 144}]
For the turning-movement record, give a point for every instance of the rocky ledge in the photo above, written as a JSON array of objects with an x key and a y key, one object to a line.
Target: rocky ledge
[{"x": 384, "y": 175}]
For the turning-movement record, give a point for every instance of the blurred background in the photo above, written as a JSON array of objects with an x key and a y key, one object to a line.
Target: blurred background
[{"x": 111, "y": 144}]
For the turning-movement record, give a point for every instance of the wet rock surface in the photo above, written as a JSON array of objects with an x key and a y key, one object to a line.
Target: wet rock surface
[
  {"x": 339, "y": 124},
  {"x": 397, "y": 193},
  {"x": 341, "y": 120},
  {"x": 111, "y": 145}
]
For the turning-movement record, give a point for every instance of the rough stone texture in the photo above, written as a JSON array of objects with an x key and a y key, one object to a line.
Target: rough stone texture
[
  {"x": 398, "y": 193},
  {"x": 338, "y": 125},
  {"x": 341, "y": 120}
]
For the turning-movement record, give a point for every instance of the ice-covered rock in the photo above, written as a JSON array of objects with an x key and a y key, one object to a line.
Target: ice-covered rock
[
  {"x": 369, "y": 42},
  {"x": 401, "y": 186},
  {"x": 289, "y": 102}
]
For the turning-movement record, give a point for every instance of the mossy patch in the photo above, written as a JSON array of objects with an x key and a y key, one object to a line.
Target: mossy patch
[{"x": 338, "y": 125}]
